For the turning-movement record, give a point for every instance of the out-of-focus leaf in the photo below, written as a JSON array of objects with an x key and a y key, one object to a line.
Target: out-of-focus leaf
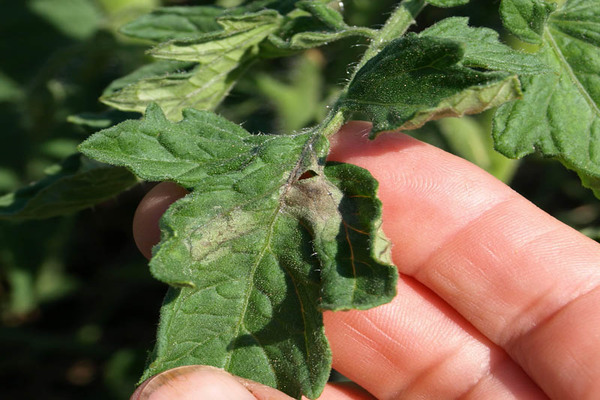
[
  {"x": 472, "y": 141},
  {"x": 76, "y": 184},
  {"x": 174, "y": 23},
  {"x": 78, "y": 19},
  {"x": 298, "y": 102},
  {"x": 9, "y": 89},
  {"x": 97, "y": 121},
  {"x": 447, "y": 3}
]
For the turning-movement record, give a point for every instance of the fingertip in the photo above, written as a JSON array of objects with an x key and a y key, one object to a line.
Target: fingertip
[
  {"x": 192, "y": 383},
  {"x": 146, "y": 232}
]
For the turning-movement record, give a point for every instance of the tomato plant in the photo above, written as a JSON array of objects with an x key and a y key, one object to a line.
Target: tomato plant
[{"x": 254, "y": 254}]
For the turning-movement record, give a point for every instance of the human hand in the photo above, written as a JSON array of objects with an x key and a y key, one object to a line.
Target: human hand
[{"x": 496, "y": 300}]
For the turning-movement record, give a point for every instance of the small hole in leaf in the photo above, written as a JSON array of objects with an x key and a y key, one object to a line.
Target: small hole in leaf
[{"x": 308, "y": 174}]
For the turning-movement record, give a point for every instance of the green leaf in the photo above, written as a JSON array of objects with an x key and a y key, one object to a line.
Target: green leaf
[
  {"x": 283, "y": 6},
  {"x": 447, "y": 3},
  {"x": 526, "y": 18},
  {"x": 77, "y": 19},
  {"x": 222, "y": 57},
  {"x": 559, "y": 115},
  {"x": 416, "y": 79},
  {"x": 153, "y": 71},
  {"x": 326, "y": 15},
  {"x": 239, "y": 34},
  {"x": 174, "y": 23},
  {"x": 254, "y": 253},
  {"x": 322, "y": 26},
  {"x": 101, "y": 120},
  {"x": 483, "y": 50},
  {"x": 76, "y": 184}
]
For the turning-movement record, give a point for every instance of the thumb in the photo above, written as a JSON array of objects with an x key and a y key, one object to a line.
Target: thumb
[{"x": 197, "y": 382}]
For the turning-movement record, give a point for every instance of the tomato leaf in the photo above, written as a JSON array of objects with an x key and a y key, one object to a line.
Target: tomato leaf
[
  {"x": 254, "y": 253},
  {"x": 559, "y": 115},
  {"x": 174, "y": 23},
  {"x": 76, "y": 184},
  {"x": 526, "y": 19},
  {"x": 219, "y": 58},
  {"x": 416, "y": 79},
  {"x": 482, "y": 48},
  {"x": 447, "y": 3}
]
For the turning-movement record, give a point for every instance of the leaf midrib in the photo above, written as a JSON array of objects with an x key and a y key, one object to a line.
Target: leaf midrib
[
  {"x": 572, "y": 76},
  {"x": 276, "y": 213}
]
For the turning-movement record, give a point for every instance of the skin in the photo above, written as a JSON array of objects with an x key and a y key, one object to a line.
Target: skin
[{"x": 496, "y": 299}]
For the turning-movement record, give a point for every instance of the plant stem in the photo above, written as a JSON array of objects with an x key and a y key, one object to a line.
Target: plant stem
[
  {"x": 399, "y": 22},
  {"x": 402, "y": 18}
]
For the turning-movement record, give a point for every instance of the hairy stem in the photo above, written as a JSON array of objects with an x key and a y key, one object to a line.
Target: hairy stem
[{"x": 399, "y": 22}]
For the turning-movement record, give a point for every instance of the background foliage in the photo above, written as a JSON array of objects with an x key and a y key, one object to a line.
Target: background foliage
[{"x": 78, "y": 306}]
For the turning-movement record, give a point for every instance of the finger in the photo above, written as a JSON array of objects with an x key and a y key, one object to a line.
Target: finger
[
  {"x": 418, "y": 347},
  {"x": 523, "y": 279},
  {"x": 145, "y": 221},
  {"x": 203, "y": 382},
  {"x": 196, "y": 382}
]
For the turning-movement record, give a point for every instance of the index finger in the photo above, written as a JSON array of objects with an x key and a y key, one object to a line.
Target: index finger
[{"x": 526, "y": 281}]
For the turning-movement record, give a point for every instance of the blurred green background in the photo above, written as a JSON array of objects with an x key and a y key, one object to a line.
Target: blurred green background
[{"x": 78, "y": 307}]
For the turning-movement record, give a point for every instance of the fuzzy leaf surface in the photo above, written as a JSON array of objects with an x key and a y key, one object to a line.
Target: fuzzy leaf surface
[
  {"x": 253, "y": 253},
  {"x": 526, "y": 19},
  {"x": 559, "y": 115},
  {"x": 74, "y": 185},
  {"x": 219, "y": 58},
  {"x": 482, "y": 49},
  {"x": 417, "y": 79}
]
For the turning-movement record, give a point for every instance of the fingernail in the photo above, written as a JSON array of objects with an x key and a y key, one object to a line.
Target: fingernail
[{"x": 197, "y": 382}]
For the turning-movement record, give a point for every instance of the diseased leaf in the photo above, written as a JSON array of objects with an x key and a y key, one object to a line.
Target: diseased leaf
[
  {"x": 174, "y": 23},
  {"x": 559, "y": 115},
  {"x": 416, "y": 79},
  {"x": 526, "y": 18},
  {"x": 254, "y": 253},
  {"x": 447, "y": 3},
  {"x": 76, "y": 184},
  {"x": 483, "y": 50},
  {"x": 222, "y": 57},
  {"x": 342, "y": 211}
]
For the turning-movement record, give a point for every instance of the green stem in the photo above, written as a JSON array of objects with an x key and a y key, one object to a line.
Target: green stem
[{"x": 402, "y": 18}]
